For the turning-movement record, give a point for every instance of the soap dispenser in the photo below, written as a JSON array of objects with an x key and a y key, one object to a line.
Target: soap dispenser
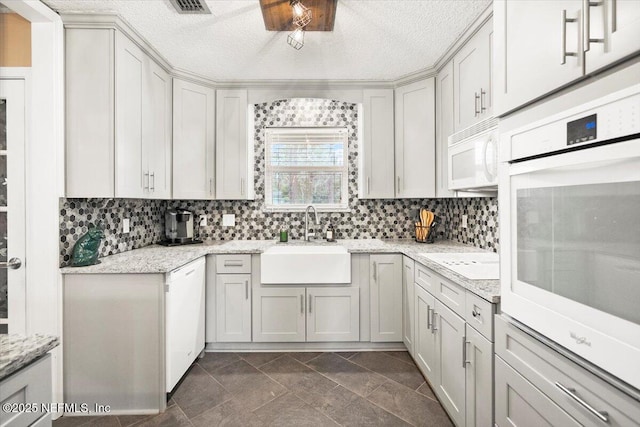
[{"x": 331, "y": 233}]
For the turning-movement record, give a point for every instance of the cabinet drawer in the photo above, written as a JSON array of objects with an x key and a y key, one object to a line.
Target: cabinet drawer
[
  {"x": 425, "y": 278},
  {"x": 452, "y": 295},
  {"x": 549, "y": 371},
  {"x": 230, "y": 264},
  {"x": 479, "y": 314},
  {"x": 520, "y": 404}
]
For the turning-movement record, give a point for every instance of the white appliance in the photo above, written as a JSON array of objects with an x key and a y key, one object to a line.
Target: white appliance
[
  {"x": 474, "y": 266},
  {"x": 184, "y": 318},
  {"x": 570, "y": 231},
  {"x": 473, "y": 159}
]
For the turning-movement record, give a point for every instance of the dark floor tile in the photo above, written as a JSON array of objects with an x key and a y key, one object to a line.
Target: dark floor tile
[
  {"x": 364, "y": 413},
  {"x": 129, "y": 420},
  {"x": 70, "y": 421},
  {"x": 247, "y": 384},
  {"x": 230, "y": 413},
  {"x": 346, "y": 354},
  {"x": 331, "y": 402},
  {"x": 401, "y": 355},
  {"x": 305, "y": 356},
  {"x": 390, "y": 367},
  {"x": 106, "y": 421},
  {"x": 172, "y": 417},
  {"x": 259, "y": 359},
  {"x": 288, "y": 410},
  {"x": 426, "y": 390},
  {"x": 297, "y": 377},
  {"x": 212, "y": 361},
  {"x": 409, "y": 405},
  {"x": 352, "y": 376},
  {"x": 199, "y": 392}
]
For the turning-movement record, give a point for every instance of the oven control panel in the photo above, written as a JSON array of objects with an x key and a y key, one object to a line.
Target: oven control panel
[{"x": 582, "y": 130}]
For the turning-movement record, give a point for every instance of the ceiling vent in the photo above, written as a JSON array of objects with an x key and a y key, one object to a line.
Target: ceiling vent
[{"x": 191, "y": 6}]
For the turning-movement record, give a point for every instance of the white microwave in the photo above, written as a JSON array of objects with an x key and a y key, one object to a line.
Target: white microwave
[
  {"x": 570, "y": 231},
  {"x": 473, "y": 161}
]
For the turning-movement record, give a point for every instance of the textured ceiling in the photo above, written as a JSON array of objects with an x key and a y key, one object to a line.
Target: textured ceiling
[{"x": 372, "y": 39}]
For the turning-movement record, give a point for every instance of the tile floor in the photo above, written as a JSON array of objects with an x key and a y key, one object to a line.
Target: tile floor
[{"x": 293, "y": 389}]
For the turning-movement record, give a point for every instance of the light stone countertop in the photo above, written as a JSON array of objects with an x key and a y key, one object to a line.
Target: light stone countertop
[
  {"x": 18, "y": 351},
  {"x": 161, "y": 259}
]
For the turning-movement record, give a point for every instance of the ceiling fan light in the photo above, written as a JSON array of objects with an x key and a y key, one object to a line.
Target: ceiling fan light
[
  {"x": 301, "y": 13},
  {"x": 296, "y": 38}
]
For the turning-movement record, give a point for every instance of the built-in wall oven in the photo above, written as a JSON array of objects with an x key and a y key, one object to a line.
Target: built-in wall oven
[{"x": 570, "y": 230}]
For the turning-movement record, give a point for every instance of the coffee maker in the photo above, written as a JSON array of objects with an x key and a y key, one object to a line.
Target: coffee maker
[{"x": 178, "y": 228}]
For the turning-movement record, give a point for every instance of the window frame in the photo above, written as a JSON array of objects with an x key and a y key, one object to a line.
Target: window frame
[{"x": 269, "y": 170}]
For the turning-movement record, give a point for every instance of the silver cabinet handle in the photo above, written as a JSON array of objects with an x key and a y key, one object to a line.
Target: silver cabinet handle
[
  {"x": 242, "y": 186},
  {"x": 210, "y": 186},
  {"x": 246, "y": 289},
  {"x": 563, "y": 41},
  {"x": 145, "y": 186},
  {"x": 571, "y": 392},
  {"x": 586, "y": 8},
  {"x": 152, "y": 181},
  {"x": 476, "y": 111},
  {"x": 475, "y": 313},
  {"x": 310, "y": 298},
  {"x": 233, "y": 263},
  {"x": 614, "y": 16},
  {"x": 433, "y": 322},
  {"x": 428, "y": 316},
  {"x": 375, "y": 269},
  {"x": 482, "y": 96},
  {"x": 399, "y": 185},
  {"x": 368, "y": 185},
  {"x": 301, "y": 304},
  {"x": 464, "y": 352},
  {"x": 13, "y": 264}
]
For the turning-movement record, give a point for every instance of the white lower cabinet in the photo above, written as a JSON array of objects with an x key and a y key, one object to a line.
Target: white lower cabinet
[
  {"x": 233, "y": 307},
  {"x": 386, "y": 298},
  {"x": 450, "y": 366},
  {"x": 297, "y": 314},
  {"x": 333, "y": 314},
  {"x": 408, "y": 304},
  {"x": 279, "y": 314},
  {"x": 478, "y": 354},
  {"x": 424, "y": 346}
]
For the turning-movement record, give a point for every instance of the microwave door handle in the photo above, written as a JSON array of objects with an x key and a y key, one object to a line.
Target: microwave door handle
[{"x": 490, "y": 176}]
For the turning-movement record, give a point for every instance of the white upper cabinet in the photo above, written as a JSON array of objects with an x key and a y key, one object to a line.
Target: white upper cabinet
[
  {"x": 118, "y": 117},
  {"x": 614, "y": 30},
  {"x": 193, "y": 141},
  {"x": 444, "y": 127},
  {"x": 472, "y": 79},
  {"x": 415, "y": 140},
  {"x": 544, "y": 46},
  {"x": 234, "y": 152},
  {"x": 377, "y": 154},
  {"x": 89, "y": 67}
]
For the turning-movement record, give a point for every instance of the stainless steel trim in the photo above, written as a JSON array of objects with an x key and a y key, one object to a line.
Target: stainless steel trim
[
  {"x": 375, "y": 269},
  {"x": 571, "y": 392},
  {"x": 482, "y": 95},
  {"x": 13, "y": 264},
  {"x": 563, "y": 49},
  {"x": 246, "y": 289},
  {"x": 428, "y": 316},
  {"x": 301, "y": 304},
  {"x": 310, "y": 297}
]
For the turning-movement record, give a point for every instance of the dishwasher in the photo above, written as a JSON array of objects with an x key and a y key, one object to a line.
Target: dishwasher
[{"x": 185, "y": 298}]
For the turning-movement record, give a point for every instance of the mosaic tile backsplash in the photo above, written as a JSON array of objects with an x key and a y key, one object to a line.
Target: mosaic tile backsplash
[{"x": 366, "y": 218}]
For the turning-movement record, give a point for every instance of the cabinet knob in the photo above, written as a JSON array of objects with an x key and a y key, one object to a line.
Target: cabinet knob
[{"x": 475, "y": 313}]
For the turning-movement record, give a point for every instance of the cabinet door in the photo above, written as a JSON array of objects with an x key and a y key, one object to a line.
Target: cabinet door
[
  {"x": 450, "y": 342},
  {"x": 520, "y": 404},
  {"x": 333, "y": 314},
  {"x": 132, "y": 175},
  {"x": 479, "y": 379},
  {"x": 472, "y": 79},
  {"x": 279, "y": 314},
  {"x": 89, "y": 68},
  {"x": 408, "y": 303},
  {"x": 194, "y": 115},
  {"x": 232, "y": 153},
  {"x": 444, "y": 127},
  {"x": 386, "y": 298},
  {"x": 528, "y": 57},
  {"x": 617, "y": 23},
  {"x": 377, "y": 168},
  {"x": 415, "y": 140},
  {"x": 157, "y": 134},
  {"x": 424, "y": 346},
  {"x": 233, "y": 307}
]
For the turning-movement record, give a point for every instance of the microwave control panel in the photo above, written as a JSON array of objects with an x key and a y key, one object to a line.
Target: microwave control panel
[{"x": 582, "y": 130}]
